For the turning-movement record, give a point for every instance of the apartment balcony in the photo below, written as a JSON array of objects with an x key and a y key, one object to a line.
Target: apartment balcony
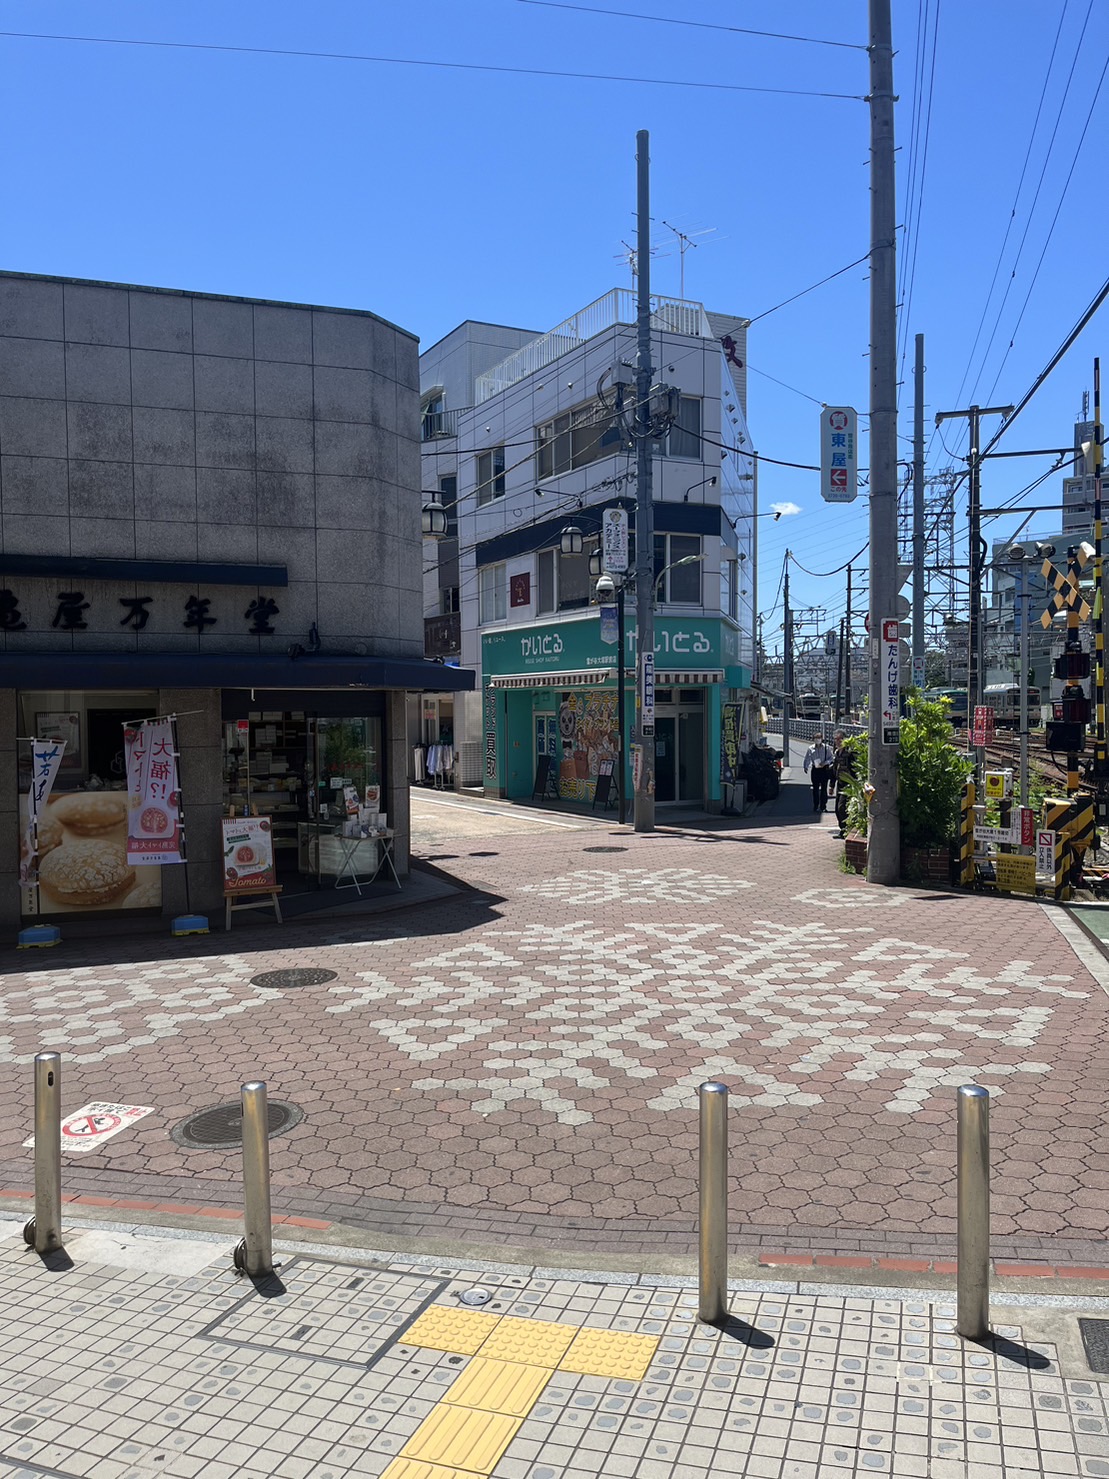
[
  {"x": 670, "y": 315},
  {"x": 434, "y": 425}
]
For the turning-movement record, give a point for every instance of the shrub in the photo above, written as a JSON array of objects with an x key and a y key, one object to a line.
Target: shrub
[{"x": 931, "y": 774}]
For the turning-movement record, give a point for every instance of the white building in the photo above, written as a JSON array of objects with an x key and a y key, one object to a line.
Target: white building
[{"x": 526, "y": 434}]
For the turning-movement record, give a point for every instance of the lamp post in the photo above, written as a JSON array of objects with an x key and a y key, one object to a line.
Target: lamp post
[{"x": 606, "y": 589}]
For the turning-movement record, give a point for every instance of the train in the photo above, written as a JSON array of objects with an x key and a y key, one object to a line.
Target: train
[{"x": 1004, "y": 700}]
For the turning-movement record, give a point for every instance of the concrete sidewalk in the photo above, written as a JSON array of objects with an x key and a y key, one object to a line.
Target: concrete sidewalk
[{"x": 147, "y": 1356}]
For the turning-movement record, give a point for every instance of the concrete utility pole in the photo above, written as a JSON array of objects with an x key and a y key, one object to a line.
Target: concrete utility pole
[
  {"x": 787, "y": 664},
  {"x": 919, "y": 592},
  {"x": 850, "y": 645},
  {"x": 883, "y": 858},
  {"x": 644, "y": 508}
]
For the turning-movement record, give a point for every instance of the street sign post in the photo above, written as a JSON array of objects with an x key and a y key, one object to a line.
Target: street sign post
[
  {"x": 1045, "y": 854},
  {"x": 614, "y": 541},
  {"x": 839, "y": 455}
]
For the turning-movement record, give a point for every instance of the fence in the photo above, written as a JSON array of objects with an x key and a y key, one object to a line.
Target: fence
[{"x": 813, "y": 729}]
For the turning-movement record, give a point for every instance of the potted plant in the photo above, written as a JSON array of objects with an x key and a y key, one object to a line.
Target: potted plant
[{"x": 930, "y": 774}]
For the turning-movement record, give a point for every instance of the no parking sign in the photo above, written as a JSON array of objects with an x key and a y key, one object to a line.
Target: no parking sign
[{"x": 87, "y": 1128}]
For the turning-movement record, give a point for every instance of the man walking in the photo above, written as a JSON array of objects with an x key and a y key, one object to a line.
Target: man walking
[
  {"x": 818, "y": 767},
  {"x": 843, "y": 765}
]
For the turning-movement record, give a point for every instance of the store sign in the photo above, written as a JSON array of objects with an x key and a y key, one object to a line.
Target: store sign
[
  {"x": 614, "y": 540},
  {"x": 71, "y": 610},
  {"x": 890, "y": 658},
  {"x": 839, "y": 455},
  {"x": 570, "y": 645},
  {"x": 490, "y": 736},
  {"x": 46, "y": 757},
  {"x": 153, "y": 793},
  {"x": 248, "y": 854}
]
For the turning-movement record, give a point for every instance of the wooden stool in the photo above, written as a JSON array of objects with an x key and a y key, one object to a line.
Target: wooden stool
[{"x": 261, "y": 898}]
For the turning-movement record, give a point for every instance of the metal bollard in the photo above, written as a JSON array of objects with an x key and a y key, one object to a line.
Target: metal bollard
[
  {"x": 254, "y": 1254},
  {"x": 44, "y": 1231},
  {"x": 712, "y": 1304},
  {"x": 973, "y": 1279}
]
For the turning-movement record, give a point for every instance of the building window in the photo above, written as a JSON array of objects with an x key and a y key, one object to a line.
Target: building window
[
  {"x": 491, "y": 594},
  {"x": 448, "y": 497},
  {"x": 678, "y": 584},
  {"x": 546, "y": 596},
  {"x": 684, "y": 437},
  {"x": 575, "y": 439},
  {"x": 490, "y": 475},
  {"x": 448, "y": 600},
  {"x": 574, "y": 581}
]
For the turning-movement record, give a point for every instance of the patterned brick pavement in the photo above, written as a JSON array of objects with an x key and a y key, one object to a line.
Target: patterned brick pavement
[{"x": 519, "y": 1063}]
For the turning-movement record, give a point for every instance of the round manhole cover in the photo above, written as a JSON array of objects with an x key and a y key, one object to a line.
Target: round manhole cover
[
  {"x": 604, "y": 849},
  {"x": 285, "y": 980},
  {"x": 221, "y": 1126}
]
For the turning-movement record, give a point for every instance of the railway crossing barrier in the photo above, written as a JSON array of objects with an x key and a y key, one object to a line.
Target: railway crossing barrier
[{"x": 966, "y": 833}]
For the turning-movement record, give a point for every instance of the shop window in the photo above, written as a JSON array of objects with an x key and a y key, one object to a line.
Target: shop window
[
  {"x": 491, "y": 593},
  {"x": 490, "y": 475}
]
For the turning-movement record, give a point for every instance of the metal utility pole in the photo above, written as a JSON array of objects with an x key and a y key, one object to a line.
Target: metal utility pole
[
  {"x": 644, "y": 509},
  {"x": 976, "y": 560},
  {"x": 919, "y": 593},
  {"x": 883, "y": 861},
  {"x": 839, "y": 674},
  {"x": 787, "y": 664}
]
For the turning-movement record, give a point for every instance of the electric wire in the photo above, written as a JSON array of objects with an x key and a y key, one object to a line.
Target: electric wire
[
  {"x": 911, "y": 237},
  {"x": 666, "y": 20},
  {"x": 400, "y": 61},
  {"x": 768, "y": 311}
]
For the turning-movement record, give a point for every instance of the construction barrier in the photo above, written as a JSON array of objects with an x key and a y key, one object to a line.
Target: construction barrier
[{"x": 966, "y": 833}]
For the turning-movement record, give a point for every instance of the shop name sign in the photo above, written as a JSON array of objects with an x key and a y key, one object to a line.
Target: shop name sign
[{"x": 569, "y": 645}]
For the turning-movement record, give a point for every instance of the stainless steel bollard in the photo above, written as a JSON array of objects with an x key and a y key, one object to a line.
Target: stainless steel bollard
[
  {"x": 254, "y": 1255},
  {"x": 973, "y": 1279},
  {"x": 713, "y": 1221},
  {"x": 44, "y": 1231}
]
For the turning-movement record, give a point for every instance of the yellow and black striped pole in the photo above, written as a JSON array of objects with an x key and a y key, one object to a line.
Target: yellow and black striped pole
[
  {"x": 1073, "y": 643},
  {"x": 1093, "y": 465},
  {"x": 966, "y": 833}
]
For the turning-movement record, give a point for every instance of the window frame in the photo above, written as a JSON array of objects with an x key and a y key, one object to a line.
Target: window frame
[
  {"x": 493, "y": 585},
  {"x": 489, "y": 468},
  {"x": 558, "y": 441},
  {"x": 664, "y": 568}
]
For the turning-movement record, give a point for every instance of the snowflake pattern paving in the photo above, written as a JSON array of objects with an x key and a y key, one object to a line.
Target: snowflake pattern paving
[
  {"x": 562, "y": 1015},
  {"x": 637, "y": 886}
]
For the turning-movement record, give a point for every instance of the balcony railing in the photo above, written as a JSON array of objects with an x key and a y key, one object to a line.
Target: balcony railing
[
  {"x": 674, "y": 315},
  {"x": 436, "y": 424}
]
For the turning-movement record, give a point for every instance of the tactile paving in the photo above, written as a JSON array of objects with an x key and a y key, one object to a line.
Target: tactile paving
[
  {"x": 461, "y": 1438},
  {"x": 529, "y": 1342},
  {"x": 499, "y": 1386},
  {"x": 414, "y": 1468},
  {"x": 610, "y": 1353},
  {"x": 443, "y": 1329}
]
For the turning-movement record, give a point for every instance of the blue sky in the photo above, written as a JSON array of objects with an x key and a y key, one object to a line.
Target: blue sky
[{"x": 432, "y": 195}]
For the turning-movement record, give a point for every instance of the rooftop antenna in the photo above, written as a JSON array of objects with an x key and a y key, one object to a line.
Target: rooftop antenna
[
  {"x": 630, "y": 256},
  {"x": 684, "y": 243}
]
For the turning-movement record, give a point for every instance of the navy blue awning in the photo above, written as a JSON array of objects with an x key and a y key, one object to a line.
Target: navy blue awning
[{"x": 122, "y": 670}]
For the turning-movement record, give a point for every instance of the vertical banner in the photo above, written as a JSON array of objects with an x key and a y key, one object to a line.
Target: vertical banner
[
  {"x": 839, "y": 457},
  {"x": 729, "y": 743},
  {"x": 891, "y": 681},
  {"x": 46, "y": 757},
  {"x": 610, "y": 625},
  {"x": 647, "y": 693},
  {"x": 153, "y": 794}
]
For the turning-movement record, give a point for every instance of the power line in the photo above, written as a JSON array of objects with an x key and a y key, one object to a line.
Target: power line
[
  {"x": 402, "y": 61},
  {"x": 824, "y": 574},
  {"x": 768, "y": 311},
  {"x": 666, "y": 20}
]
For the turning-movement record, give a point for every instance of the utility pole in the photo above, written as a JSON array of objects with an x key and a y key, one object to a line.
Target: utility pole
[
  {"x": 850, "y": 644},
  {"x": 644, "y": 508},
  {"x": 839, "y": 674},
  {"x": 919, "y": 593},
  {"x": 976, "y": 559},
  {"x": 883, "y": 861},
  {"x": 787, "y": 665}
]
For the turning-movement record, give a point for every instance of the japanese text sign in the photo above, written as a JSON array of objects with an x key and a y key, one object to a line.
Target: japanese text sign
[
  {"x": 46, "y": 756},
  {"x": 890, "y": 658},
  {"x": 247, "y": 854},
  {"x": 153, "y": 796},
  {"x": 839, "y": 455},
  {"x": 1045, "y": 854},
  {"x": 614, "y": 540}
]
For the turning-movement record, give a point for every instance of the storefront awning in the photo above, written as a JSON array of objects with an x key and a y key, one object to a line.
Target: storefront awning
[
  {"x": 262, "y": 670},
  {"x": 591, "y": 679},
  {"x": 688, "y": 680}
]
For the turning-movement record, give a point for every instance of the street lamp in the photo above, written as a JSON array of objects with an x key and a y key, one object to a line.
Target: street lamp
[
  {"x": 433, "y": 520},
  {"x": 572, "y": 541}
]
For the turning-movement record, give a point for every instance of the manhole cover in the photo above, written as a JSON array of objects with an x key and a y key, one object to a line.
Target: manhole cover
[
  {"x": 287, "y": 979},
  {"x": 475, "y": 1296},
  {"x": 1095, "y": 1337},
  {"x": 604, "y": 849},
  {"x": 221, "y": 1126}
]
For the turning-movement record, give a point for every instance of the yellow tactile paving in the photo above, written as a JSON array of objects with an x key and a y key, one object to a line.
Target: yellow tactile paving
[
  {"x": 615, "y": 1354},
  {"x": 414, "y": 1468},
  {"x": 459, "y": 1437},
  {"x": 529, "y": 1342},
  {"x": 459, "y": 1331},
  {"x": 499, "y": 1386}
]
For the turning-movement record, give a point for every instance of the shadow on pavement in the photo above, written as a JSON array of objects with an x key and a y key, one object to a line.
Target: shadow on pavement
[
  {"x": 739, "y": 1330},
  {"x": 1010, "y": 1350}
]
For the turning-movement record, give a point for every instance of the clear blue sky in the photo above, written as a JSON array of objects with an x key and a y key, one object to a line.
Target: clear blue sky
[{"x": 431, "y": 195}]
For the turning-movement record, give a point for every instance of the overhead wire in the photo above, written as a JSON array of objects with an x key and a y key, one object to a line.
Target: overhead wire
[
  {"x": 667, "y": 20},
  {"x": 399, "y": 61}
]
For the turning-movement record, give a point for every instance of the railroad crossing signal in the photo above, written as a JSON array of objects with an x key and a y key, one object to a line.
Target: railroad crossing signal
[{"x": 1068, "y": 595}]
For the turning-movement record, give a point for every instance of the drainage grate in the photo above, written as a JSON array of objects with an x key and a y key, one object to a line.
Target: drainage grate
[
  {"x": 604, "y": 849},
  {"x": 285, "y": 980},
  {"x": 1095, "y": 1337},
  {"x": 221, "y": 1126}
]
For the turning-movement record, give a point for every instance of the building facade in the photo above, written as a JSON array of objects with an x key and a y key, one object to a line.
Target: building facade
[
  {"x": 540, "y": 441},
  {"x": 210, "y": 509}
]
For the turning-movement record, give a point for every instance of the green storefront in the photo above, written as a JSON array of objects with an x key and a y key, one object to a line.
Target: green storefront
[{"x": 549, "y": 690}]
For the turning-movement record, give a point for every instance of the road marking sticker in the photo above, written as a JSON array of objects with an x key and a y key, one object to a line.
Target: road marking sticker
[{"x": 87, "y": 1128}]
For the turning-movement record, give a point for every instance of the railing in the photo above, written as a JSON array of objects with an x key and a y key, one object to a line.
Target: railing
[
  {"x": 434, "y": 424},
  {"x": 674, "y": 315}
]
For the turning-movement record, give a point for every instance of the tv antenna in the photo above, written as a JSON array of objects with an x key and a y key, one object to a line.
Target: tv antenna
[
  {"x": 685, "y": 241},
  {"x": 631, "y": 256}
]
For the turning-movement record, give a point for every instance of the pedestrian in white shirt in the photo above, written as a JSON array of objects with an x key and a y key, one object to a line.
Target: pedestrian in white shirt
[{"x": 819, "y": 760}]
